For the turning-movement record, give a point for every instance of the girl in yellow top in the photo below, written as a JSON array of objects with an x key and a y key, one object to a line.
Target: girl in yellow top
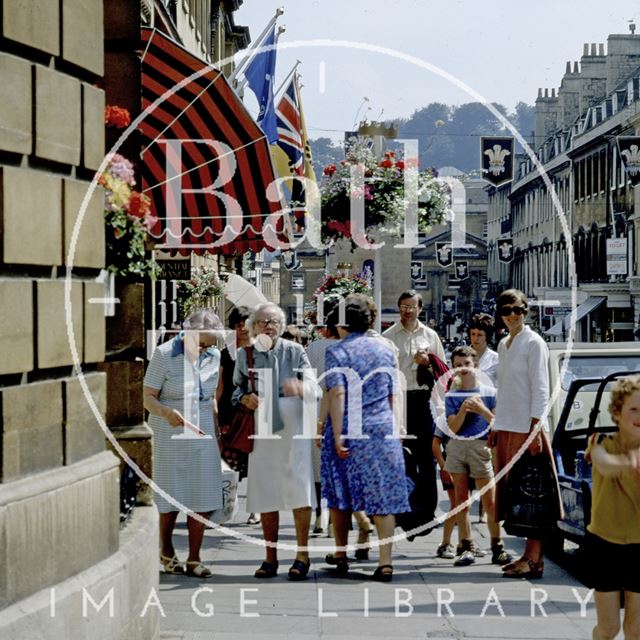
[{"x": 613, "y": 538}]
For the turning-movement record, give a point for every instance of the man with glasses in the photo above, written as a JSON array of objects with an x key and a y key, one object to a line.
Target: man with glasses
[{"x": 414, "y": 342}]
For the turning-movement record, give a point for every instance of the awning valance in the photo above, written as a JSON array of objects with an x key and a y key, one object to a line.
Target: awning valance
[
  {"x": 589, "y": 305},
  {"x": 205, "y": 163}
]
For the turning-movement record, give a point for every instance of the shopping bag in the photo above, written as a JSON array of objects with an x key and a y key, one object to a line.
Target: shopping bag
[{"x": 230, "y": 507}]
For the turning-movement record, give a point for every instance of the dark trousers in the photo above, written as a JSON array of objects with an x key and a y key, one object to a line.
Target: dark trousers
[{"x": 420, "y": 425}]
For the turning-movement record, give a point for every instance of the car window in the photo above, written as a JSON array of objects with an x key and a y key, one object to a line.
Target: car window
[{"x": 582, "y": 366}]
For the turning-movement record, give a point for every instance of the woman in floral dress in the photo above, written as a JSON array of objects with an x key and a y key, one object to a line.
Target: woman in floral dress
[{"x": 362, "y": 473}]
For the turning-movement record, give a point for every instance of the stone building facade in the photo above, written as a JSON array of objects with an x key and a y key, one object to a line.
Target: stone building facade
[
  {"x": 563, "y": 218},
  {"x": 60, "y": 539}
]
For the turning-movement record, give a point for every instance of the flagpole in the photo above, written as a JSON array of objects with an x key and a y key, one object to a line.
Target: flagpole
[
  {"x": 284, "y": 82},
  {"x": 243, "y": 63},
  {"x": 241, "y": 85}
]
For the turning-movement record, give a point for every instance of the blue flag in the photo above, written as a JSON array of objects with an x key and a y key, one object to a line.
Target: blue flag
[{"x": 260, "y": 74}]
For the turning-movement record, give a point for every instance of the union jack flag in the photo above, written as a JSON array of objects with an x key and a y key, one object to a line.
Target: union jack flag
[{"x": 290, "y": 128}]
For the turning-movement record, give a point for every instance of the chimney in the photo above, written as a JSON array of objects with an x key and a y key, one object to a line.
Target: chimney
[
  {"x": 623, "y": 57},
  {"x": 567, "y": 69},
  {"x": 593, "y": 78},
  {"x": 601, "y": 49},
  {"x": 576, "y": 67},
  {"x": 547, "y": 115},
  {"x": 585, "y": 49}
]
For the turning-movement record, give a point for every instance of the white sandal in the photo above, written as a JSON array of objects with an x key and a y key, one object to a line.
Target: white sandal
[
  {"x": 198, "y": 570},
  {"x": 172, "y": 565}
]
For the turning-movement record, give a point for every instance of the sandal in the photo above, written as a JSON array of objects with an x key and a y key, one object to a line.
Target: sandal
[
  {"x": 384, "y": 573},
  {"x": 267, "y": 570},
  {"x": 198, "y": 570},
  {"x": 299, "y": 570},
  {"x": 533, "y": 570},
  {"x": 513, "y": 563},
  {"x": 172, "y": 565}
]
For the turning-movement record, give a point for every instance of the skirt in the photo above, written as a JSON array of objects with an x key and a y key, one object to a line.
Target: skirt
[
  {"x": 280, "y": 475},
  {"x": 507, "y": 446}
]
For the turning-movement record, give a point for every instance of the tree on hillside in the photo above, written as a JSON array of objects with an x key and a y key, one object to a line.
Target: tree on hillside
[{"x": 325, "y": 152}]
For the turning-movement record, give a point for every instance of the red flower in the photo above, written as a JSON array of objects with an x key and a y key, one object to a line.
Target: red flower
[
  {"x": 139, "y": 205},
  {"x": 389, "y": 154},
  {"x": 329, "y": 170},
  {"x": 387, "y": 163},
  {"x": 116, "y": 117},
  {"x": 400, "y": 165}
]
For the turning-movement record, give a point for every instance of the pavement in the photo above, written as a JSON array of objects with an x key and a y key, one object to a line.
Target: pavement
[{"x": 429, "y": 598}]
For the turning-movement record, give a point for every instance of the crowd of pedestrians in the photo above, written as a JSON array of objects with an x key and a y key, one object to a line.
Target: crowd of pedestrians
[{"x": 380, "y": 401}]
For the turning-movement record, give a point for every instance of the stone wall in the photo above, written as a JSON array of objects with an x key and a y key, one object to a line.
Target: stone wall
[{"x": 59, "y": 487}]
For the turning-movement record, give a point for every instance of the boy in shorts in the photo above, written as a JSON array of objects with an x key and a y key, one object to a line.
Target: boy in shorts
[{"x": 469, "y": 409}]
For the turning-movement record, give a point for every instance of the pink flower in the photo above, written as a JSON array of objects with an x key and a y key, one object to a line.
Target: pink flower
[{"x": 120, "y": 167}]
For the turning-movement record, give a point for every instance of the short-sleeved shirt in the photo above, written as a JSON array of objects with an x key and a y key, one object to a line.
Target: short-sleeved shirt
[
  {"x": 474, "y": 426},
  {"x": 615, "y": 506}
]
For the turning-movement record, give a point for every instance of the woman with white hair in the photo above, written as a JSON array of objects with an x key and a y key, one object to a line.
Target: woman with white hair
[
  {"x": 179, "y": 394},
  {"x": 280, "y": 475}
]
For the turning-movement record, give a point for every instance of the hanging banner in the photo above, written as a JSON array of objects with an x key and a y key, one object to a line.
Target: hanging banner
[
  {"x": 444, "y": 254},
  {"x": 290, "y": 260},
  {"x": 505, "y": 250},
  {"x": 496, "y": 159},
  {"x": 629, "y": 148},
  {"x": 417, "y": 270},
  {"x": 449, "y": 305},
  {"x": 462, "y": 269}
]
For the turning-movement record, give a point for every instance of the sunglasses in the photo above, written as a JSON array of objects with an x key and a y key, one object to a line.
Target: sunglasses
[{"x": 507, "y": 311}]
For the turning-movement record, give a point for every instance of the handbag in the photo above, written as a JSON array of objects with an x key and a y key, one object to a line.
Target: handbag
[
  {"x": 532, "y": 500},
  {"x": 236, "y": 442}
]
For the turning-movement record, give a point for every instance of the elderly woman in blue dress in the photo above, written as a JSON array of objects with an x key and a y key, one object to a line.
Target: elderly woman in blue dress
[
  {"x": 179, "y": 394},
  {"x": 362, "y": 474},
  {"x": 280, "y": 474}
]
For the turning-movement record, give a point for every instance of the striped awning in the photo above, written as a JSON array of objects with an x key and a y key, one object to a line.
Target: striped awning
[{"x": 205, "y": 163}]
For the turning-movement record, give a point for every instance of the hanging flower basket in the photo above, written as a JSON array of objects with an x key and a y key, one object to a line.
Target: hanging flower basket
[
  {"x": 128, "y": 218},
  {"x": 127, "y": 212},
  {"x": 383, "y": 193},
  {"x": 199, "y": 292},
  {"x": 333, "y": 288}
]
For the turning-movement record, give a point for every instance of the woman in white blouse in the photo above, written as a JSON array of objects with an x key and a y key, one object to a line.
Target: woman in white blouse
[{"x": 523, "y": 394}]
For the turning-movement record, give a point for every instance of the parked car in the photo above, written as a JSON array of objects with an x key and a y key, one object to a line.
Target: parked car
[
  {"x": 585, "y": 360},
  {"x": 569, "y": 443}
]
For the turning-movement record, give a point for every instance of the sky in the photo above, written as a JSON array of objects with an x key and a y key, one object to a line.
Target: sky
[{"x": 504, "y": 50}]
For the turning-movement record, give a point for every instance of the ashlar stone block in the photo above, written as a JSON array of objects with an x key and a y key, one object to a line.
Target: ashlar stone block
[
  {"x": 82, "y": 28},
  {"x": 34, "y": 23},
  {"x": 83, "y": 434},
  {"x": 32, "y": 428},
  {"x": 89, "y": 248},
  {"x": 15, "y": 104},
  {"x": 58, "y": 116},
  {"x": 16, "y": 325},
  {"x": 94, "y": 323},
  {"x": 31, "y": 212},
  {"x": 93, "y": 101},
  {"x": 52, "y": 342}
]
